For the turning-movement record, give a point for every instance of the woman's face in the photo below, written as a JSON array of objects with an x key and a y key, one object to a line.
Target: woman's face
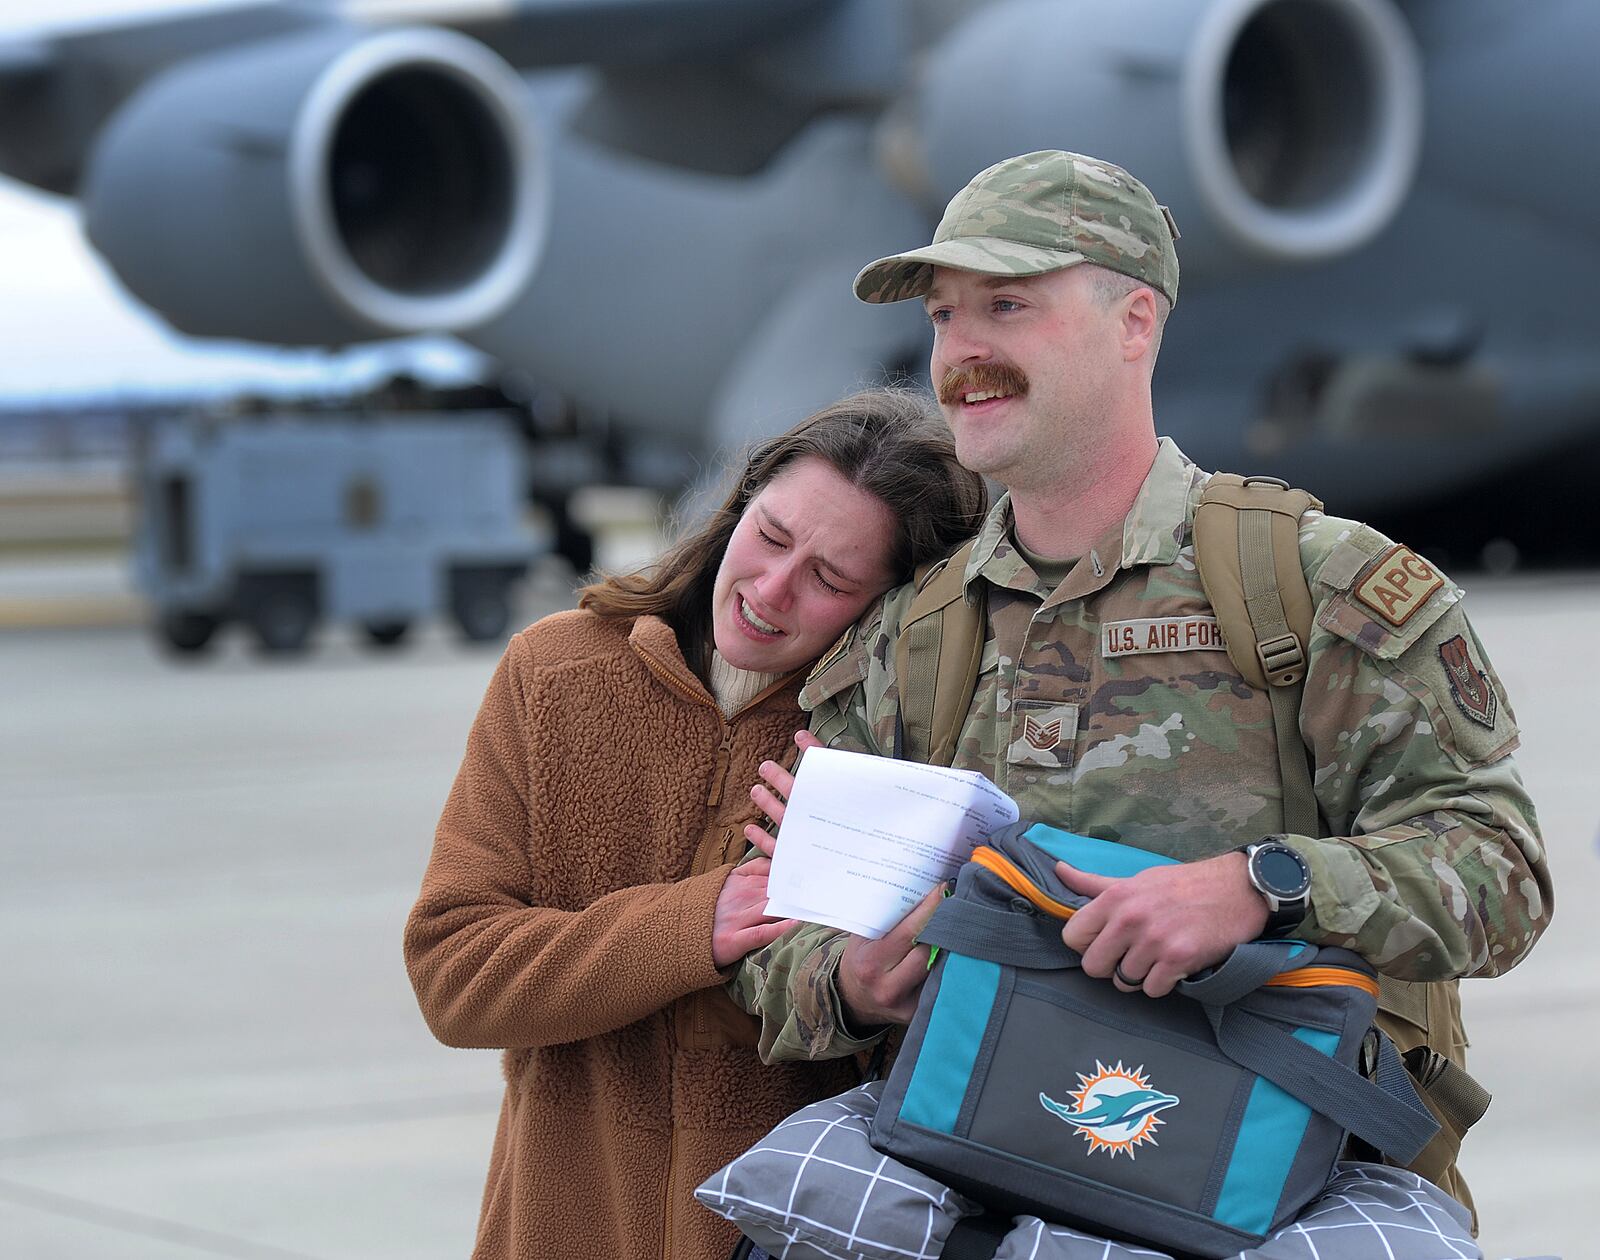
[{"x": 807, "y": 557}]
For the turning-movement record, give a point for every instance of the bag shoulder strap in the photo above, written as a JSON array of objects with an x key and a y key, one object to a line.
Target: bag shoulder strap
[
  {"x": 1384, "y": 1112},
  {"x": 936, "y": 658}
]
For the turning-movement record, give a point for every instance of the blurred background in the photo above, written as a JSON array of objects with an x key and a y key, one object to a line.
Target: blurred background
[{"x": 338, "y": 339}]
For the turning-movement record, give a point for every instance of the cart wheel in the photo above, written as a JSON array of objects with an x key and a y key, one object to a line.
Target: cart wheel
[
  {"x": 480, "y": 605},
  {"x": 187, "y": 631},
  {"x": 385, "y": 633},
  {"x": 573, "y": 543},
  {"x": 282, "y": 620}
]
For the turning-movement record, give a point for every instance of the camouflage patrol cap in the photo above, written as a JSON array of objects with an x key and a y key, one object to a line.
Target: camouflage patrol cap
[{"x": 1037, "y": 213}]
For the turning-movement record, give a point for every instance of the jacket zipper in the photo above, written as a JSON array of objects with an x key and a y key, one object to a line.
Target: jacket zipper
[
  {"x": 669, "y": 1211},
  {"x": 672, "y": 681},
  {"x": 1306, "y": 978},
  {"x": 724, "y": 749},
  {"x": 724, "y": 752}
]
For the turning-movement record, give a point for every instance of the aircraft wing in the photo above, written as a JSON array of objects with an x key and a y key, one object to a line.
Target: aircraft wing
[
  {"x": 537, "y": 33},
  {"x": 58, "y": 88},
  {"x": 324, "y": 172},
  {"x": 655, "y": 206},
  {"x": 22, "y": 60}
]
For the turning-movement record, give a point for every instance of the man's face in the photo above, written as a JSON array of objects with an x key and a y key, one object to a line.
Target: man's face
[{"x": 1024, "y": 368}]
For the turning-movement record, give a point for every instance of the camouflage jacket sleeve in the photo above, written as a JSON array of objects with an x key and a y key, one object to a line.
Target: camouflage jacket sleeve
[
  {"x": 792, "y": 985},
  {"x": 1435, "y": 867}
]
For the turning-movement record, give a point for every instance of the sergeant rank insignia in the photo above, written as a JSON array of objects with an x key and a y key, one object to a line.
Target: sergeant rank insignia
[{"x": 1472, "y": 689}]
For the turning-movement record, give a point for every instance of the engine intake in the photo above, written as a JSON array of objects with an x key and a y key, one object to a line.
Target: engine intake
[
  {"x": 323, "y": 188},
  {"x": 1286, "y": 130}
]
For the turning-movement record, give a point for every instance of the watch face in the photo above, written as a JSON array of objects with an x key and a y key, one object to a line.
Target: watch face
[{"x": 1282, "y": 871}]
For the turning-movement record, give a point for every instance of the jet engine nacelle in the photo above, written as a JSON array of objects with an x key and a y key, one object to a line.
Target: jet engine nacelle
[
  {"x": 1281, "y": 130},
  {"x": 323, "y": 188}
]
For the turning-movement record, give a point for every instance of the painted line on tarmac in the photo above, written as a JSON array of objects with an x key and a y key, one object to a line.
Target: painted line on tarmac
[
  {"x": 210, "y": 1241},
  {"x": 69, "y": 612},
  {"x": 210, "y": 1128}
]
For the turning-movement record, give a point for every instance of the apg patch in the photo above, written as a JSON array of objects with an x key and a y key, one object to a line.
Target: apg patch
[
  {"x": 1470, "y": 686},
  {"x": 1398, "y": 584}
]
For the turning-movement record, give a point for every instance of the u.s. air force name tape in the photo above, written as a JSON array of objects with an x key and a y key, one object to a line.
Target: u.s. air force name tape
[{"x": 1160, "y": 634}]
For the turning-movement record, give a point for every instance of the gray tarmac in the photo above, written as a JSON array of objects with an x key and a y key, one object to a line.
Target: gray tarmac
[{"x": 210, "y": 1047}]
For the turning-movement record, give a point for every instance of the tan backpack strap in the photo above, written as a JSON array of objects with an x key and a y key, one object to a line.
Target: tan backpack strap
[
  {"x": 936, "y": 659},
  {"x": 1247, "y": 549}
]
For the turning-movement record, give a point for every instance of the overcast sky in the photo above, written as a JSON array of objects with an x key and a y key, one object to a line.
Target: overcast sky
[{"x": 65, "y": 325}]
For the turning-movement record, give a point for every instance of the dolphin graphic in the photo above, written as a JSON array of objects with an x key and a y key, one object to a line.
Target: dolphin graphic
[{"x": 1112, "y": 1111}]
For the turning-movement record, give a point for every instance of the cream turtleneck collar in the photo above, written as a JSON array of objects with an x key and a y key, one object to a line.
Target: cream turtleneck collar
[{"x": 734, "y": 687}]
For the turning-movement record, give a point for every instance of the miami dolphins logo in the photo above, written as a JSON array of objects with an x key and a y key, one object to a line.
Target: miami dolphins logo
[{"x": 1114, "y": 1109}]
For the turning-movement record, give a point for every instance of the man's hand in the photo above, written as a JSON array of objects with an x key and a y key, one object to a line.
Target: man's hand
[
  {"x": 772, "y": 794},
  {"x": 880, "y": 980},
  {"x": 740, "y": 923},
  {"x": 1165, "y": 923}
]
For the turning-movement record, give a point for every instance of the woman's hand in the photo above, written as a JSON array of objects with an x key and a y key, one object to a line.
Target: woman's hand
[
  {"x": 740, "y": 923},
  {"x": 773, "y": 794}
]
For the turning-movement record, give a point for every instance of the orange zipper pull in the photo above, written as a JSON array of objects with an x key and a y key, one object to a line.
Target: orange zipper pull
[{"x": 998, "y": 863}]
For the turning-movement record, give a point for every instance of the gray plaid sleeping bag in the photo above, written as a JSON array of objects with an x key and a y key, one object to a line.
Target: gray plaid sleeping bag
[{"x": 815, "y": 1189}]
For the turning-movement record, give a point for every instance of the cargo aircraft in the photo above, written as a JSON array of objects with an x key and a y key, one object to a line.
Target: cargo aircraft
[{"x": 1391, "y": 248}]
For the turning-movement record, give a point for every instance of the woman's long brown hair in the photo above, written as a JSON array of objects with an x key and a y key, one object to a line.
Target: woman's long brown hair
[{"x": 891, "y": 443}]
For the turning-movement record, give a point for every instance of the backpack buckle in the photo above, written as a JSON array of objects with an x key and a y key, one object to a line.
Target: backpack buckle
[{"x": 1282, "y": 660}]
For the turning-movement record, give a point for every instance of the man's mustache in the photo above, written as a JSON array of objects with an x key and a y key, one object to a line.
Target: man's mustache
[{"x": 981, "y": 378}]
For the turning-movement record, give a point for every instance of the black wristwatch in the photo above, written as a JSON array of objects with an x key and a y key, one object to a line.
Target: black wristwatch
[{"x": 1282, "y": 876}]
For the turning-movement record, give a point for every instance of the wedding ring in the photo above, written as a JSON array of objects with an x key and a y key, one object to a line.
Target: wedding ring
[{"x": 1125, "y": 979}]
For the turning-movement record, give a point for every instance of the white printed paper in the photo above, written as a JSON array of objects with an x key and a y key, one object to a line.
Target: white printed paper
[{"x": 864, "y": 838}]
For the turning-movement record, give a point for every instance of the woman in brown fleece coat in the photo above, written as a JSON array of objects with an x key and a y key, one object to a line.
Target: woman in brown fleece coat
[{"x": 582, "y": 906}]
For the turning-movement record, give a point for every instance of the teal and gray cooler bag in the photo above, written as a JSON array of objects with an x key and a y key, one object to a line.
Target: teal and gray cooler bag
[{"x": 1199, "y": 1122}]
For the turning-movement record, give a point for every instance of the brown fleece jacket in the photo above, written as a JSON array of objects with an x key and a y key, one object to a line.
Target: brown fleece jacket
[{"x": 566, "y": 916}]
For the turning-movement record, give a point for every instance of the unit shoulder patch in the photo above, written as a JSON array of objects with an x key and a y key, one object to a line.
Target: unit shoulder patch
[
  {"x": 1397, "y": 584},
  {"x": 1449, "y": 670},
  {"x": 1473, "y": 692}
]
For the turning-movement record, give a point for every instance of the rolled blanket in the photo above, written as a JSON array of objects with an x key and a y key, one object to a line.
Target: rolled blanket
[{"x": 816, "y": 1189}]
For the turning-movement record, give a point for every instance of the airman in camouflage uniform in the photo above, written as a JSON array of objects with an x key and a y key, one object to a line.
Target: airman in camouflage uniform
[{"x": 1107, "y": 703}]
